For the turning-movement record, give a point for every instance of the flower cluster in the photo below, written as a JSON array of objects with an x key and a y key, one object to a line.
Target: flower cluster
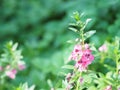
[
  {"x": 104, "y": 74},
  {"x": 12, "y": 71},
  {"x": 10, "y": 62},
  {"x": 103, "y": 48},
  {"x": 109, "y": 87},
  {"x": 82, "y": 55}
]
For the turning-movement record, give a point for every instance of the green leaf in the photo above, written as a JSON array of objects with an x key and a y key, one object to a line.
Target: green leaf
[
  {"x": 117, "y": 42},
  {"x": 73, "y": 29},
  {"x": 14, "y": 47},
  {"x": 85, "y": 24},
  {"x": 62, "y": 74},
  {"x": 89, "y": 34},
  {"x": 25, "y": 87},
  {"x": 74, "y": 41},
  {"x": 92, "y": 88},
  {"x": 109, "y": 67},
  {"x": 109, "y": 75},
  {"x": 72, "y": 24},
  {"x": 50, "y": 83},
  {"x": 76, "y": 16},
  {"x": 68, "y": 67}
]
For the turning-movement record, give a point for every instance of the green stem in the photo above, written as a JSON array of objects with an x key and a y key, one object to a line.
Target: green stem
[
  {"x": 117, "y": 64},
  {"x": 78, "y": 81},
  {"x": 117, "y": 61},
  {"x": 102, "y": 58},
  {"x": 82, "y": 35}
]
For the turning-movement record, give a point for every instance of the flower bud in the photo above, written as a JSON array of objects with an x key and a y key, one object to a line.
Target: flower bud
[
  {"x": 109, "y": 87},
  {"x": 1, "y": 68}
]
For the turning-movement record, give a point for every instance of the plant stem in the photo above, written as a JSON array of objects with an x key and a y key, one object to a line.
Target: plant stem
[
  {"x": 78, "y": 81},
  {"x": 82, "y": 35},
  {"x": 117, "y": 60},
  {"x": 117, "y": 64}
]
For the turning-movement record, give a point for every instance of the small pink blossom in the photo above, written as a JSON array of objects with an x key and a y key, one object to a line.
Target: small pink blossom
[
  {"x": 21, "y": 65},
  {"x": 12, "y": 73},
  {"x": 85, "y": 60},
  {"x": 82, "y": 67},
  {"x": 109, "y": 87},
  {"x": 8, "y": 67},
  {"x": 103, "y": 48},
  {"x": 68, "y": 77},
  {"x": 83, "y": 56},
  {"x": 81, "y": 80},
  {"x": 1, "y": 68},
  {"x": 87, "y": 56},
  {"x": 69, "y": 86},
  {"x": 77, "y": 52},
  {"x": 119, "y": 88},
  {"x": 86, "y": 46}
]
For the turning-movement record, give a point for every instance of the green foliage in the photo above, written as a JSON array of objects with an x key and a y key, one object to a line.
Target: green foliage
[
  {"x": 25, "y": 87},
  {"x": 11, "y": 54},
  {"x": 10, "y": 63},
  {"x": 92, "y": 79},
  {"x": 39, "y": 26}
]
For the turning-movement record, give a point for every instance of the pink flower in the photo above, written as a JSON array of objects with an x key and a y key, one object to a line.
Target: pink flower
[
  {"x": 81, "y": 80},
  {"x": 109, "y": 87},
  {"x": 83, "y": 57},
  {"x": 69, "y": 86},
  {"x": 87, "y": 56},
  {"x": 103, "y": 48},
  {"x": 8, "y": 67},
  {"x": 21, "y": 65},
  {"x": 81, "y": 67},
  {"x": 77, "y": 52},
  {"x": 68, "y": 77},
  {"x": 119, "y": 88},
  {"x": 12, "y": 73},
  {"x": 86, "y": 46},
  {"x": 85, "y": 60},
  {"x": 1, "y": 68}
]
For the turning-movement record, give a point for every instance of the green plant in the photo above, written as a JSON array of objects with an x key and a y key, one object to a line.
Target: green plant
[
  {"x": 10, "y": 63},
  {"x": 80, "y": 76}
]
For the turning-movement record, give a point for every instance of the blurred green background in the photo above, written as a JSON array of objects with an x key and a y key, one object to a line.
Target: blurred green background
[{"x": 41, "y": 29}]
